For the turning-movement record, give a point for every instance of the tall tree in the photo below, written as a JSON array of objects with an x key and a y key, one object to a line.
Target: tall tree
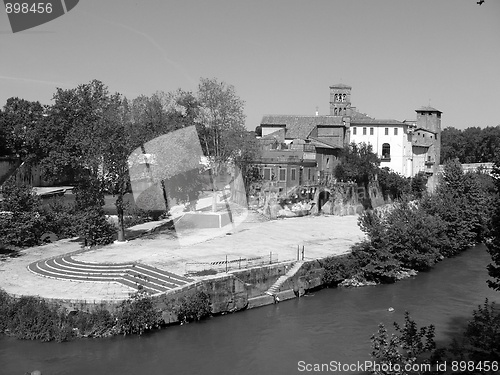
[
  {"x": 17, "y": 124},
  {"x": 358, "y": 163},
  {"x": 221, "y": 126},
  {"x": 493, "y": 240}
]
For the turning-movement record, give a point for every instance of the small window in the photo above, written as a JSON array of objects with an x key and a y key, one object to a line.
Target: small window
[
  {"x": 282, "y": 174},
  {"x": 395, "y": 131},
  {"x": 364, "y": 131},
  {"x": 386, "y": 131},
  {"x": 308, "y": 173},
  {"x": 354, "y": 131},
  {"x": 371, "y": 131},
  {"x": 267, "y": 174},
  {"x": 293, "y": 174}
]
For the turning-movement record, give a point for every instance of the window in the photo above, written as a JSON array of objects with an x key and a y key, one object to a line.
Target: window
[
  {"x": 386, "y": 151},
  {"x": 267, "y": 174},
  {"x": 354, "y": 131},
  {"x": 308, "y": 173},
  {"x": 371, "y": 131},
  {"x": 364, "y": 131},
  {"x": 386, "y": 131},
  {"x": 293, "y": 174},
  {"x": 335, "y": 111},
  {"x": 343, "y": 97},
  {"x": 395, "y": 131},
  {"x": 282, "y": 175}
]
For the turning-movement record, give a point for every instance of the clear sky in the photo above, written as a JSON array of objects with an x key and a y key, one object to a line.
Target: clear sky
[{"x": 281, "y": 55}]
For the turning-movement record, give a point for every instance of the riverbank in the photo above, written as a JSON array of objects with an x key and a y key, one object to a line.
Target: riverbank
[{"x": 250, "y": 238}]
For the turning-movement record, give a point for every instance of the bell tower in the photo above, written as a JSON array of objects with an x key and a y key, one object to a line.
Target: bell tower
[{"x": 340, "y": 100}]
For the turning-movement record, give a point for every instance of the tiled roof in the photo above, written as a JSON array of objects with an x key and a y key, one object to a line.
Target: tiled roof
[
  {"x": 278, "y": 134},
  {"x": 300, "y": 126},
  {"x": 355, "y": 115},
  {"x": 340, "y": 86},
  {"x": 427, "y": 109},
  {"x": 427, "y": 130},
  {"x": 326, "y": 142},
  {"x": 372, "y": 121}
]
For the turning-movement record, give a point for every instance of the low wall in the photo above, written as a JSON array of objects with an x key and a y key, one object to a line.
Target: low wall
[{"x": 229, "y": 292}]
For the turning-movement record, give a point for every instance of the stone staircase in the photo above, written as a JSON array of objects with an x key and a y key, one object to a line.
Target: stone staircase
[
  {"x": 281, "y": 280},
  {"x": 135, "y": 276}
]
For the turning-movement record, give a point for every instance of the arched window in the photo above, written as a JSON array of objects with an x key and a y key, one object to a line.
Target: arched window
[
  {"x": 386, "y": 151},
  {"x": 343, "y": 97},
  {"x": 336, "y": 97},
  {"x": 335, "y": 111}
]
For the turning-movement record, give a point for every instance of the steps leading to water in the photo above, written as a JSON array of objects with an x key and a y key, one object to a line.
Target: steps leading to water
[{"x": 281, "y": 280}]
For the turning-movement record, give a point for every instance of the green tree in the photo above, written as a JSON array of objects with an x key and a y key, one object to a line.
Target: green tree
[
  {"x": 358, "y": 163},
  {"x": 18, "y": 121},
  {"x": 222, "y": 126},
  {"x": 493, "y": 237},
  {"x": 393, "y": 184},
  {"x": 419, "y": 184},
  {"x": 24, "y": 224},
  {"x": 408, "y": 346}
]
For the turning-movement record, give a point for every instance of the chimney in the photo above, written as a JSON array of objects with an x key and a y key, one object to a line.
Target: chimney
[{"x": 317, "y": 111}]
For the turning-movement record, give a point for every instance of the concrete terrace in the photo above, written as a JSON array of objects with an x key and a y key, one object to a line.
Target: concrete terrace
[{"x": 161, "y": 259}]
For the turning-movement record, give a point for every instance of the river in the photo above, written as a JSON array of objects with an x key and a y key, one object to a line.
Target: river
[{"x": 330, "y": 325}]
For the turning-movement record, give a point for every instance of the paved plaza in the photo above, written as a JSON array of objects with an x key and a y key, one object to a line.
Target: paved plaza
[{"x": 248, "y": 238}]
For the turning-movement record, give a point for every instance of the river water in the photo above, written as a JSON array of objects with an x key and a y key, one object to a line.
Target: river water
[{"x": 331, "y": 325}]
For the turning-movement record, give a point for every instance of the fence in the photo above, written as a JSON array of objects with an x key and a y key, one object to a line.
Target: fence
[{"x": 231, "y": 264}]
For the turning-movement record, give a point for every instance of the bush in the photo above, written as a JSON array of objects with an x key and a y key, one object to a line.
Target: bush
[
  {"x": 152, "y": 200},
  {"x": 32, "y": 319},
  {"x": 61, "y": 218},
  {"x": 94, "y": 227},
  {"x": 377, "y": 265},
  {"x": 337, "y": 269},
  {"x": 135, "y": 215},
  {"x": 392, "y": 184},
  {"x": 25, "y": 224},
  {"x": 403, "y": 348},
  {"x": 194, "y": 307},
  {"x": 137, "y": 315}
]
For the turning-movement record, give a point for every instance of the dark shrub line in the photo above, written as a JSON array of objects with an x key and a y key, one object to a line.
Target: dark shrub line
[{"x": 32, "y": 318}]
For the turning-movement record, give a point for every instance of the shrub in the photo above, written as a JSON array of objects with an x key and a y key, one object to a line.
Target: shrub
[
  {"x": 337, "y": 269},
  {"x": 61, "y": 218},
  {"x": 403, "y": 348},
  {"x": 194, "y": 307},
  {"x": 94, "y": 227},
  {"x": 137, "y": 315},
  {"x": 392, "y": 184},
  {"x": 481, "y": 339},
  {"x": 377, "y": 265},
  {"x": 25, "y": 223},
  {"x": 32, "y": 319},
  {"x": 153, "y": 201}
]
